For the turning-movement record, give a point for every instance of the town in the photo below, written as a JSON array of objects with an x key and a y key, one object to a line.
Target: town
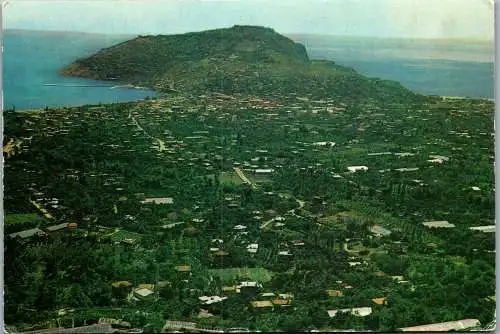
[{"x": 231, "y": 213}]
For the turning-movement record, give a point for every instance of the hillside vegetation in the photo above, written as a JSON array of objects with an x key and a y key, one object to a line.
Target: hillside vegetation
[{"x": 241, "y": 59}]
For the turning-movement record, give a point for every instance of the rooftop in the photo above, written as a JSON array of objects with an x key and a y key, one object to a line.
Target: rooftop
[
  {"x": 441, "y": 223},
  {"x": 444, "y": 326}
]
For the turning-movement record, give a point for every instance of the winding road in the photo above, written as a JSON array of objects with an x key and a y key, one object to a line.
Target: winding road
[
  {"x": 161, "y": 143},
  {"x": 292, "y": 211}
]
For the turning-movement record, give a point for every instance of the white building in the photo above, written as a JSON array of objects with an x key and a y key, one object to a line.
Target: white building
[
  {"x": 252, "y": 248},
  {"x": 354, "y": 169},
  {"x": 485, "y": 229},
  {"x": 159, "y": 200},
  {"x": 458, "y": 325},
  {"x": 440, "y": 223},
  {"x": 324, "y": 143},
  {"x": 357, "y": 311},
  {"x": 208, "y": 300}
]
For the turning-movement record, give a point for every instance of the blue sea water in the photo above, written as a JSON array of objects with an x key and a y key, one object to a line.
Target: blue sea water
[
  {"x": 434, "y": 67},
  {"x": 432, "y": 77},
  {"x": 32, "y": 59}
]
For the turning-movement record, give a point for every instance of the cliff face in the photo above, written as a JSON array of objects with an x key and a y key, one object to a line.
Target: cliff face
[{"x": 241, "y": 59}]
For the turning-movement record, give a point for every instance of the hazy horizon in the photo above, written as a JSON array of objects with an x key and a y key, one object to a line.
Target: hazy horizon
[
  {"x": 294, "y": 34},
  {"x": 422, "y": 19}
]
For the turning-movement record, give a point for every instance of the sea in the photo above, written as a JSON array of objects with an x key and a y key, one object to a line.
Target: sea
[
  {"x": 446, "y": 67},
  {"x": 31, "y": 64},
  {"x": 32, "y": 60}
]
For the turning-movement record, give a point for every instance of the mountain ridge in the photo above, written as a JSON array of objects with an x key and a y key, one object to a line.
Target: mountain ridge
[{"x": 241, "y": 59}]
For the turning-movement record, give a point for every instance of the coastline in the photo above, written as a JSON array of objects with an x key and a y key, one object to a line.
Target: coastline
[{"x": 130, "y": 86}]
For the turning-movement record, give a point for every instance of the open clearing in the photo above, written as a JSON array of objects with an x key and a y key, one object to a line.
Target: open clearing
[
  {"x": 228, "y": 178},
  {"x": 254, "y": 274},
  {"x": 21, "y": 218}
]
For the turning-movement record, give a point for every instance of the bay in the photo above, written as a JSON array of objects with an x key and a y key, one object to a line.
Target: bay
[
  {"x": 462, "y": 68},
  {"x": 31, "y": 64}
]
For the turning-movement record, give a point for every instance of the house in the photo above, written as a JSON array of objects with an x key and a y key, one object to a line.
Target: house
[
  {"x": 262, "y": 304},
  {"x": 285, "y": 295},
  {"x": 407, "y": 169},
  {"x": 267, "y": 295},
  {"x": 170, "y": 324},
  {"x": 183, "y": 268},
  {"x": 282, "y": 302},
  {"x": 379, "y": 153},
  {"x": 354, "y": 169},
  {"x": 220, "y": 253},
  {"x": 458, "y": 325},
  {"x": 115, "y": 322},
  {"x": 263, "y": 170},
  {"x": 230, "y": 289},
  {"x": 285, "y": 253},
  {"x": 249, "y": 285},
  {"x": 438, "y": 224},
  {"x": 96, "y": 328},
  {"x": 379, "y": 230},
  {"x": 204, "y": 314},
  {"x": 172, "y": 225},
  {"x": 209, "y": 300},
  {"x": 357, "y": 311},
  {"x": 55, "y": 228},
  {"x": 28, "y": 233},
  {"x": 334, "y": 293},
  {"x": 380, "y": 301},
  {"x": 438, "y": 159},
  {"x": 239, "y": 227},
  {"x": 484, "y": 229},
  {"x": 404, "y": 154},
  {"x": 252, "y": 248},
  {"x": 142, "y": 293},
  {"x": 159, "y": 200},
  {"x": 324, "y": 143}
]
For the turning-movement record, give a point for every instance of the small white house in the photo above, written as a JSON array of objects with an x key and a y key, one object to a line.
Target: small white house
[
  {"x": 354, "y": 169},
  {"x": 208, "y": 300},
  {"x": 284, "y": 253},
  {"x": 485, "y": 229},
  {"x": 263, "y": 170},
  {"x": 357, "y": 311},
  {"x": 252, "y": 248},
  {"x": 439, "y": 223},
  {"x": 162, "y": 200},
  {"x": 324, "y": 143}
]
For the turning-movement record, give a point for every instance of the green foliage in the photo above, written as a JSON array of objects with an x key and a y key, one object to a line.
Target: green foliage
[
  {"x": 102, "y": 161},
  {"x": 241, "y": 59}
]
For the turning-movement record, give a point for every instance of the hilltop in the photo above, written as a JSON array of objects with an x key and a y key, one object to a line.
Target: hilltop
[{"x": 241, "y": 59}]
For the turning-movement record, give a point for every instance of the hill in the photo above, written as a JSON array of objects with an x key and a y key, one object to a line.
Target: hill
[{"x": 241, "y": 59}]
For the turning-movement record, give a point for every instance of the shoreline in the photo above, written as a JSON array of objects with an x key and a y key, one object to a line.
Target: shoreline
[
  {"x": 446, "y": 97},
  {"x": 42, "y": 109}
]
